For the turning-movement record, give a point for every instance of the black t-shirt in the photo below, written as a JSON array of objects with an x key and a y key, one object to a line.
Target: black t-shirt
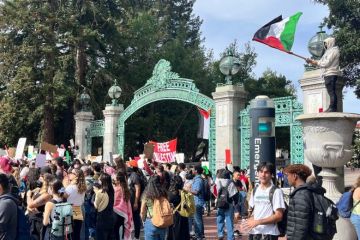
[{"x": 133, "y": 180}]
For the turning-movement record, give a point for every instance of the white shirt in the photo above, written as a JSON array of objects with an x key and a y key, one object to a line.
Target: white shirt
[
  {"x": 262, "y": 209},
  {"x": 75, "y": 198},
  {"x": 182, "y": 174}
]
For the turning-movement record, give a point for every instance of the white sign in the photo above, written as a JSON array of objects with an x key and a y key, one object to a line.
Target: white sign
[
  {"x": 20, "y": 148},
  {"x": 180, "y": 157}
]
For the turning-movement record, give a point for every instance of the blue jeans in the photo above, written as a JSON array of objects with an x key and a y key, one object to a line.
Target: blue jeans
[
  {"x": 355, "y": 220},
  {"x": 152, "y": 232},
  {"x": 198, "y": 221},
  {"x": 225, "y": 216},
  {"x": 242, "y": 199}
]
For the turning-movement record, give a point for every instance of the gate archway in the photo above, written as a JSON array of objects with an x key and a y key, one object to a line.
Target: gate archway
[
  {"x": 167, "y": 85},
  {"x": 286, "y": 111}
]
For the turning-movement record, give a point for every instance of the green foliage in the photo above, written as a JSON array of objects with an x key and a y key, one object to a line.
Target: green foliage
[{"x": 344, "y": 19}]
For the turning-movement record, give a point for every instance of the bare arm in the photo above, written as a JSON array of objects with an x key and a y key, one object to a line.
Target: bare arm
[
  {"x": 48, "y": 208},
  {"x": 143, "y": 210},
  {"x": 40, "y": 201},
  {"x": 276, "y": 217},
  {"x": 137, "y": 196}
]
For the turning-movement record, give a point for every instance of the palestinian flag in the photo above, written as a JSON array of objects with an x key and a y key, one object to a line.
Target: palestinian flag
[
  {"x": 204, "y": 123},
  {"x": 279, "y": 33}
]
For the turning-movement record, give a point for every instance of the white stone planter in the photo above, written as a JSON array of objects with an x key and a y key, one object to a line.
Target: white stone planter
[{"x": 327, "y": 144}]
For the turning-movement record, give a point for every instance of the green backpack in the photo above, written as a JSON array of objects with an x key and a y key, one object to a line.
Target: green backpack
[
  {"x": 63, "y": 220},
  {"x": 186, "y": 207}
]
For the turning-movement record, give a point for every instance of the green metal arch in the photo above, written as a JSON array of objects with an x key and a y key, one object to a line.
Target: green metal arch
[
  {"x": 286, "y": 111},
  {"x": 166, "y": 85}
]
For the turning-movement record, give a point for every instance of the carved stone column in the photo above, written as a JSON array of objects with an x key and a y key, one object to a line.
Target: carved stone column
[
  {"x": 111, "y": 115},
  {"x": 229, "y": 101},
  {"x": 82, "y": 122}
]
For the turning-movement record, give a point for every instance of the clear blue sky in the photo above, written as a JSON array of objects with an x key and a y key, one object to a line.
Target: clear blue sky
[{"x": 227, "y": 20}]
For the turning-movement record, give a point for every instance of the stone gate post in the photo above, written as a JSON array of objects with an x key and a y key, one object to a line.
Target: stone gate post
[
  {"x": 229, "y": 101},
  {"x": 83, "y": 120},
  {"x": 111, "y": 118}
]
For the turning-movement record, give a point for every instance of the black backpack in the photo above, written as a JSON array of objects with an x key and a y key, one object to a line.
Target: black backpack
[
  {"x": 223, "y": 200},
  {"x": 283, "y": 223},
  {"x": 325, "y": 216},
  {"x": 207, "y": 192}
]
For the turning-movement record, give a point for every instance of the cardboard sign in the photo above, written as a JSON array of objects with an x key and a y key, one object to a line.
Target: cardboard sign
[
  {"x": 227, "y": 156},
  {"x": 40, "y": 160},
  {"x": 165, "y": 152},
  {"x": 20, "y": 148},
  {"x": 149, "y": 150},
  {"x": 48, "y": 147},
  {"x": 31, "y": 154}
]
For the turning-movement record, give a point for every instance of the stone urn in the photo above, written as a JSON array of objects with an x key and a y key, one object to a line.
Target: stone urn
[{"x": 327, "y": 144}]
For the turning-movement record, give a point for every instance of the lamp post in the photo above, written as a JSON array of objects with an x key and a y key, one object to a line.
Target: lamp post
[
  {"x": 229, "y": 65},
  {"x": 114, "y": 93},
  {"x": 84, "y": 101},
  {"x": 316, "y": 46}
]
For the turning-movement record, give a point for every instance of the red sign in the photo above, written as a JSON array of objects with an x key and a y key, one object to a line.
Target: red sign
[
  {"x": 227, "y": 156},
  {"x": 165, "y": 152}
]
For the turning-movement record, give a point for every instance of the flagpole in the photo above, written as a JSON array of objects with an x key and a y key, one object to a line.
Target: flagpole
[{"x": 296, "y": 55}]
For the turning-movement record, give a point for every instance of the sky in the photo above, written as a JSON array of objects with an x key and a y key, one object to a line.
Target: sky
[{"x": 227, "y": 20}]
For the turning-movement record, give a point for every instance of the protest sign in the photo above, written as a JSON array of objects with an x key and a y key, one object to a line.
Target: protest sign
[
  {"x": 61, "y": 152},
  {"x": 40, "y": 160},
  {"x": 180, "y": 157},
  {"x": 31, "y": 154},
  {"x": 48, "y": 147},
  {"x": 72, "y": 143},
  {"x": 227, "y": 156},
  {"x": 111, "y": 157},
  {"x": 20, "y": 148},
  {"x": 165, "y": 152},
  {"x": 149, "y": 150}
]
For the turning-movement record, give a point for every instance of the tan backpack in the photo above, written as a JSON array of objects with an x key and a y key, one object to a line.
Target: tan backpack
[{"x": 162, "y": 213}]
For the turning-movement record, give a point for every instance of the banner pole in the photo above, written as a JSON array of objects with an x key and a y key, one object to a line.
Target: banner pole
[{"x": 296, "y": 55}]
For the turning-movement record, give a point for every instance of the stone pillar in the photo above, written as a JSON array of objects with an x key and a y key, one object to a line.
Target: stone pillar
[
  {"x": 315, "y": 96},
  {"x": 111, "y": 115},
  {"x": 82, "y": 122},
  {"x": 229, "y": 101}
]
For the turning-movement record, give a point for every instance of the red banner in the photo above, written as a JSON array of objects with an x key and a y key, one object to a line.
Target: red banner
[{"x": 165, "y": 152}]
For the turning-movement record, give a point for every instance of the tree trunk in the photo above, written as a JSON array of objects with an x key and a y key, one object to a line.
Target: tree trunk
[{"x": 48, "y": 133}]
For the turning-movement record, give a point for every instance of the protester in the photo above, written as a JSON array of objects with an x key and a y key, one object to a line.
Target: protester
[
  {"x": 265, "y": 214},
  {"x": 8, "y": 206},
  {"x": 227, "y": 198},
  {"x": 355, "y": 214},
  {"x": 182, "y": 169},
  {"x": 123, "y": 217},
  {"x": 75, "y": 193},
  {"x": 5, "y": 168},
  {"x": 36, "y": 200},
  {"x": 104, "y": 202},
  {"x": 154, "y": 190},
  {"x": 89, "y": 209},
  {"x": 300, "y": 212},
  {"x": 57, "y": 191},
  {"x": 198, "y": 189},
  {"x": 134, "y": 182},
  {"x": 180, "y": 229}
]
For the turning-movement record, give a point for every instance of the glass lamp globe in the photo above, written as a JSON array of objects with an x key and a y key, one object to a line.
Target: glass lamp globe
[
  {"x": 316, "y": 44},
  {"x": 229, "y": 65},
  {"x": 114, "y": 92},
  {"x": 84, "y": 98}
]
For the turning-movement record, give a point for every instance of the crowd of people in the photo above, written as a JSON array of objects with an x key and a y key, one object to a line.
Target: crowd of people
[{"x": 97, "y": 200}]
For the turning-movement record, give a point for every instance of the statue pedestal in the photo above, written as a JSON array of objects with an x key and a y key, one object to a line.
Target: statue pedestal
[
  {"x": 327, "y": 144},
  {"x": 229, "y": 101},
  {"x": 82, "y": 122},
  {"x": 111, "y": 115}
]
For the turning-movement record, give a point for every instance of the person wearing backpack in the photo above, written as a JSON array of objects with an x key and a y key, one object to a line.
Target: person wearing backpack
[
  {"x": 155, "y": 210},
  {"x": 180, "y": 229},
  {"x": 355, "y": 213},
  {"x": 311, "y": 216},
  {"x": 198, "y": 189},
  {"x": 266, "y": 213},
  {"x": 57, "y": 214},
  {"x": 8, "y": 220},
  {"x": 226, "y": 199}
]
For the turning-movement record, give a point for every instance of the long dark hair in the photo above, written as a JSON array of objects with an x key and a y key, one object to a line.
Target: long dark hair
[
  {"x": 176, "y": 184},
  {"x": 121, "y": 178},
  {"x": 58, "y": 188},
  {"x": 154, "y": 189},
  {"x": 106, "y": 184}
]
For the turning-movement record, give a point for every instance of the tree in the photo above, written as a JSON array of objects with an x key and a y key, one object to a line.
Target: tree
[{"x": 344, "y": 19}]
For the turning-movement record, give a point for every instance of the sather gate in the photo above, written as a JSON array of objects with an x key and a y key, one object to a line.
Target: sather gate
[
  {"x": 286, "y": 111},
  {"x": 167, "y": 85}
]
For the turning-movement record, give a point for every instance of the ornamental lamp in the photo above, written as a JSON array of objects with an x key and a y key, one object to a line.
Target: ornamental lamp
[
  {"x": 84, "y": 100},
  {"x": 316, "y": 44},
  {"x": 229, "y": 66},
  {"x": 114, "y": 93}
]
